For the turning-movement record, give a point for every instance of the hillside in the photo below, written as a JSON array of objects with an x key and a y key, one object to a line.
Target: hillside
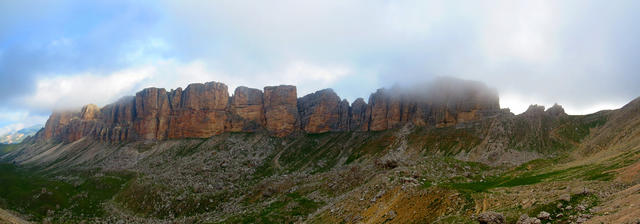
[{"x": 447, "y": 154}]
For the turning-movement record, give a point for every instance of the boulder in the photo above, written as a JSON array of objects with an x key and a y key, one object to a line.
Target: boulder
[
  {"x": 544, "y": 215},
  {"x": 525, "y": 219},
  {"x": 490, "y": 218}
]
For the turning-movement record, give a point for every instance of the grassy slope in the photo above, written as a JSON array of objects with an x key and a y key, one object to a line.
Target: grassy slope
[{"x": 36, "y": 195}]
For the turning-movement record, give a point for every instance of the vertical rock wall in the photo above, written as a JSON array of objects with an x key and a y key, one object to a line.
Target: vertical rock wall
[{"x": 204, "y": 110}]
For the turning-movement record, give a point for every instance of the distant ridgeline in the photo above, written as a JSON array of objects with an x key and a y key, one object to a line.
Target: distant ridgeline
[
  {"x": 19, "y": 135},
  {"x": 205, "y": 110}
]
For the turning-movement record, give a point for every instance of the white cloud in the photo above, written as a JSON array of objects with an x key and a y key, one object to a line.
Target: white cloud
[
  {"x": 75, "y": 90},
  {"x": 307, "y": 77},
  {"x": 519, "y": 103},
  {"x": 519, "y": 30},
  {"x": 20, "y": 119}
]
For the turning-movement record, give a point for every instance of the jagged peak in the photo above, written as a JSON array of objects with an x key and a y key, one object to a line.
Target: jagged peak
[
  {"x": 89, "y": 112},
  {"x": 534, "y": 109},
  {"x": 556, "y": 110}
]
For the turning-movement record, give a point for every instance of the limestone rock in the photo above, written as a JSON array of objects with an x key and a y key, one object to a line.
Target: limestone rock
[
  {"x": 377, "y": 108},
  {"x": 534, "y": 110},
  {"x": 247, "y": 110},
  {"x": 323, "y": 111},
  {"x": 117, "y": 119},
  {"x": 281, "y": 111},
  {"x": 544, "y": 215},
  {"x": 200, "y": 112},
  {"x": 525, "y": 219},
  {"x": 204, "y": 110},
  {"x": 556, "y": 111},
  {"x": 56, "y": 123},
  {"x": 490, "y": 218},
  {"x": 90, "y": 112},
  {"x": 358, "y": 120},
  {"x": 152, "y": 114}
]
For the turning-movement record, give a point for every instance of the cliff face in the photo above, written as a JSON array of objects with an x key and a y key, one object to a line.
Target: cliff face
[
  {"x": 205, "y": 110},
  {"x": 323, "y": 111},
  {"x": 200, "y": 111},
  {"x": 247, "y": 110},
  {"x": 281, "y": 109}
]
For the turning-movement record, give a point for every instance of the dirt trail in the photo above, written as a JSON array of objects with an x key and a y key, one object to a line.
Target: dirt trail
[{"x": 6, "y": 217}]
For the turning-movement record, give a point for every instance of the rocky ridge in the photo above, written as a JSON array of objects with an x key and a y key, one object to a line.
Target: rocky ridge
[{"x": 205, "y": 110}]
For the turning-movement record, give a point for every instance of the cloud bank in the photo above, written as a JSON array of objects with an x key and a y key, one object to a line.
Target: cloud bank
[{"x": 581, "y": 54}]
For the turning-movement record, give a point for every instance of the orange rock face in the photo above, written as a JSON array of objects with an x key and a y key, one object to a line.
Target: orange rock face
[
  {"x": 204, "y": 110},
  {"x": 281, "y": 112},
  {"x": 358, "y": 120},
  {"x": 56, "y": 124},
  {"x": 246, "y": 110},
  {"x": 152, "y": 114},
  {"x": 323, "y": 111},
  {"x": 200, "y": 112},
  {"x": 90, "y": 112},
  {"x": 117, "y": 121},
  {"x": 378, "y": 106}
]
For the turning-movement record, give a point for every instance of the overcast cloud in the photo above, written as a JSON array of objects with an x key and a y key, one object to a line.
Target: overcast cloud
[{"x": 64, "y": 54}]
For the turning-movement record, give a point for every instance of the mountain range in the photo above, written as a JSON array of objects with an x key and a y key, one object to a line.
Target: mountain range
[
  {"x": 19, "y": 135},
  {"x": 439, "y": 152}
]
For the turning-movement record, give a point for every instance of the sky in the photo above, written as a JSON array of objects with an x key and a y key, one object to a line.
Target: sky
[{"x": 58, "y": 55}]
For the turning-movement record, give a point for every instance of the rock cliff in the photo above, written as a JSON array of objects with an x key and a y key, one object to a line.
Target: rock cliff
[
  {"x": 205, "y": 110},
  {"x": 323, "y": 111},
  {"x": 247, "y": 110}
]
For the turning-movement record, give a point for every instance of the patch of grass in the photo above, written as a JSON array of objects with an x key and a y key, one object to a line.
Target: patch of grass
[
  {"x": 35, "y": 194},
  {"x": 448, "y": 140},
  {"x": 586, "y": 200},
  {"x": 6, "y": 148},
  {"x": 266, "y": 169},
  {"x": 508, "y": 180},
  {"x": 577, "y": 128},
  {"x": 285, "y": 210},
  {"x": 150, "y": 200},
  {"x": 353, "y": 157},
  {"x": 521, "y": 176},
  {"x": 426, "y": 184},
  {"x": 190, "y": 149},
  {"x": 457, "y": 219},
  {"x": 318, "y": 153}
]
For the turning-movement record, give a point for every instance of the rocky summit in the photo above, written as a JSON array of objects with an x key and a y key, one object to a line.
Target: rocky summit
[{"x": 440, "y": 152}]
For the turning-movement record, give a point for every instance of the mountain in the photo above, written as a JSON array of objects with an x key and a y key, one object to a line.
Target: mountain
[
  {"x": 205, "y": 110},
  {"x": 19, "y": 135},
  {"x": 440, "y": 152}
]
